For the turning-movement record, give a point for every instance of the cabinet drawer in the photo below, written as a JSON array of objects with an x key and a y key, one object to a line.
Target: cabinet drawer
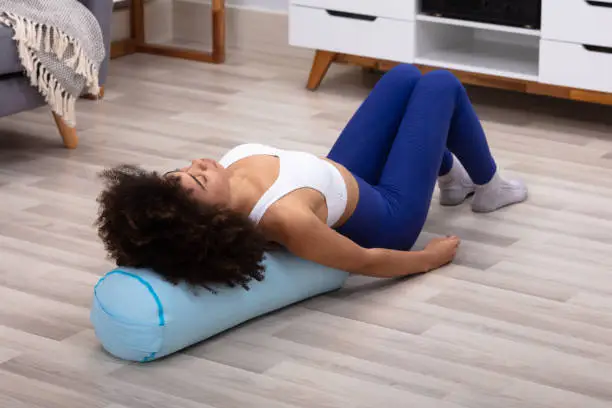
[
  {"x": 575, "y": 66},
  {"x": 374, "y": 37},
  {"x": 578, "y": 21},
  {"x": 396, "y": 9}
]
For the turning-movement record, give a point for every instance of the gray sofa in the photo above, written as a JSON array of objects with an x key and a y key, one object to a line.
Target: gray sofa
[{"x": 16, "y": 93}]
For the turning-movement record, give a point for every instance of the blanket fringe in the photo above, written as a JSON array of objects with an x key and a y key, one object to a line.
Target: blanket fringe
[{"x": 32, "y": 37}]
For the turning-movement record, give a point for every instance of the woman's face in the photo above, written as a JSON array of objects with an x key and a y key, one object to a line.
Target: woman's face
[{"x": 207, "y": 179}]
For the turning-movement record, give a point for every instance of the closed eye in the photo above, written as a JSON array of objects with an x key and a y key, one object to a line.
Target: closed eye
[
  {"x": 201, "y": 184},
  {"x": 197, "y": 181}
]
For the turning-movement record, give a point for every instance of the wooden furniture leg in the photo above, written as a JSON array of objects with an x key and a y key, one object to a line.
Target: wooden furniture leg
[
  {"x": 68, "y": 133},
  {"x": 127, "y": 46},
  {"x": 137, "y": 28},
  {"x": 320, "y": 66},
  {"x": 218, "y": 10}
]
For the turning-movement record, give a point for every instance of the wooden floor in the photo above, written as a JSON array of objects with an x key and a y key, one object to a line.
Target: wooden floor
[{"x": 522, "y": 319}]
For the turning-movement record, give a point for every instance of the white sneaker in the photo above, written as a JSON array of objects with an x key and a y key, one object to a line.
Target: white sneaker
[{"x": 498, "y": 193}]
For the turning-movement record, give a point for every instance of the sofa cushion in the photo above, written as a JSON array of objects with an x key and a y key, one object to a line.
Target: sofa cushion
[{"x": 9, "y": 62}]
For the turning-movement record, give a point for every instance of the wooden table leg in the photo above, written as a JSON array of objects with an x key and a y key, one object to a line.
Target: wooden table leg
[
  {"x": 137, "y": 28},
  {"x": 219, "y": 30}
]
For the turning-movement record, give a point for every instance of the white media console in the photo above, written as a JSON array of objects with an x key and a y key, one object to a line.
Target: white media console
[{"x": 570, "y": 56}]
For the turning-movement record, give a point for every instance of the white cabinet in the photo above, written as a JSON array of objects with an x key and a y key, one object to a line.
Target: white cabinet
[
  {"x": 395, "y": 9},
  {"x": 382, "y": 29},
  {"x": 578, "y": 21},
  {"x": 572, "y": 49},
  {"x": 368, "y": 36},
  {"x": 576, "y": 65},
  {"x": 576, "y": 46},
  {"x": 477, "y": 48}
]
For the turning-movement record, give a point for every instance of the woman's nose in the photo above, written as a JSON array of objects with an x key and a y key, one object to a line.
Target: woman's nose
[{"x": 199, "y": 164}]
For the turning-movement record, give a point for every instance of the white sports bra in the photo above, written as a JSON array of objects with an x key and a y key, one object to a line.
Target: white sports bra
[{"x": 297, "y": 170}]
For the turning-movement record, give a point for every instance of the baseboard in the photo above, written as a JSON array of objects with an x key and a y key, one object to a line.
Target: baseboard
[{"x": 188, "y": 22}]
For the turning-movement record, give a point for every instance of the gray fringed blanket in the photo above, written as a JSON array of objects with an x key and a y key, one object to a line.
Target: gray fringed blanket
[{"x": 61, "y": 48}]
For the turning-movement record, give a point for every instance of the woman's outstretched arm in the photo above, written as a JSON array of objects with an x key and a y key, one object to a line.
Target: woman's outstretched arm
[{"x": 303, "y": 234}]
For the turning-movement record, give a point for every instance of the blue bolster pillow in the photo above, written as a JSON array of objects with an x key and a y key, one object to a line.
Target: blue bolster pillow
[{"x": 138, "y": 316}]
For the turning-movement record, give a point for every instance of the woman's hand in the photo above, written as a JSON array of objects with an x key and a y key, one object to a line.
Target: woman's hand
[{"x": 442, "y": 250}]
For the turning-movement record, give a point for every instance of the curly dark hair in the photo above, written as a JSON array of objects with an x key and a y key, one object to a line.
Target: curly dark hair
[{"x": 146, "y": 220}]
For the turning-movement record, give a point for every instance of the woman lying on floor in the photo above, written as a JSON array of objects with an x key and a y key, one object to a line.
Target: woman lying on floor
[{"x": 360, "y": 209}]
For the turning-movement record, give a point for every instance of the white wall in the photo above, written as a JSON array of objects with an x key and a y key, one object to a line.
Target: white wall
[{"x": 273, "y": 5}]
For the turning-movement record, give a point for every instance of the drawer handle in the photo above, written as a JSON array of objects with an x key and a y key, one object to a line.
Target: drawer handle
[
  {"x": 597, "y": 48},
  {"x": 596, "y": 3},
  {"x": 354, "y": 16}
]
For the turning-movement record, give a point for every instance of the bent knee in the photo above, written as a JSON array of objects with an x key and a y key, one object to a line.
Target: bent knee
[
  {"x": 404, "y": 70},
  {"x": 443, "y": 80},
  {"x": 442, "y": 76},
  {"x": 403, "y": 75}
]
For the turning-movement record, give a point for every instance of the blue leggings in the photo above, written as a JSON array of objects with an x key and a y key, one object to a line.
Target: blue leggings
[{"x": 397, "y": 144}]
